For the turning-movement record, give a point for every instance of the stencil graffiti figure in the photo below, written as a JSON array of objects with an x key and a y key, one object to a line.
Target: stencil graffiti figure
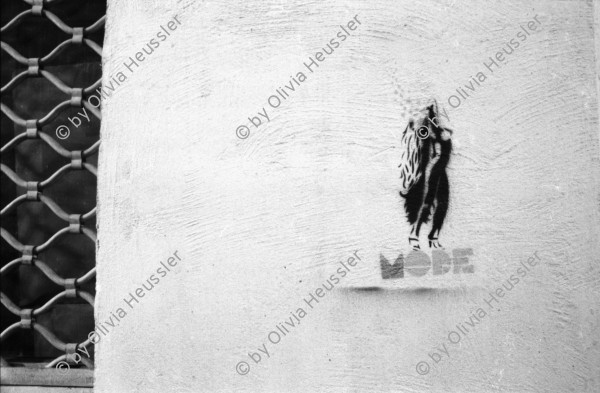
[{"x": 426, "y": 148}]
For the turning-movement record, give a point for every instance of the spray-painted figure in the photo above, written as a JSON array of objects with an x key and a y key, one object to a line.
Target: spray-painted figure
[{"x": 426, "y": 148}]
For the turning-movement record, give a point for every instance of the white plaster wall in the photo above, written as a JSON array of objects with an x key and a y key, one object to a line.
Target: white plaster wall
[{"x": 260, "y": 223}]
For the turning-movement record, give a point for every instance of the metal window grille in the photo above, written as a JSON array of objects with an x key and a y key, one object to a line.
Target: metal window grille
[{"x": 48, "y": 199}]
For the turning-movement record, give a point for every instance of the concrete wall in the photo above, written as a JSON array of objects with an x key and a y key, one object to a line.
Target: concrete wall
[{"x": 250, "y": 228}]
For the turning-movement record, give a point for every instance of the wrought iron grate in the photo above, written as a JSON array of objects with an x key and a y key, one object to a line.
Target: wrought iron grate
[{"x": 33, "y": 133}]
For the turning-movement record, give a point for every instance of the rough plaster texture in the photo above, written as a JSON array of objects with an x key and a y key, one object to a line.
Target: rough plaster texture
[{"x": 260, "y": 223}]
